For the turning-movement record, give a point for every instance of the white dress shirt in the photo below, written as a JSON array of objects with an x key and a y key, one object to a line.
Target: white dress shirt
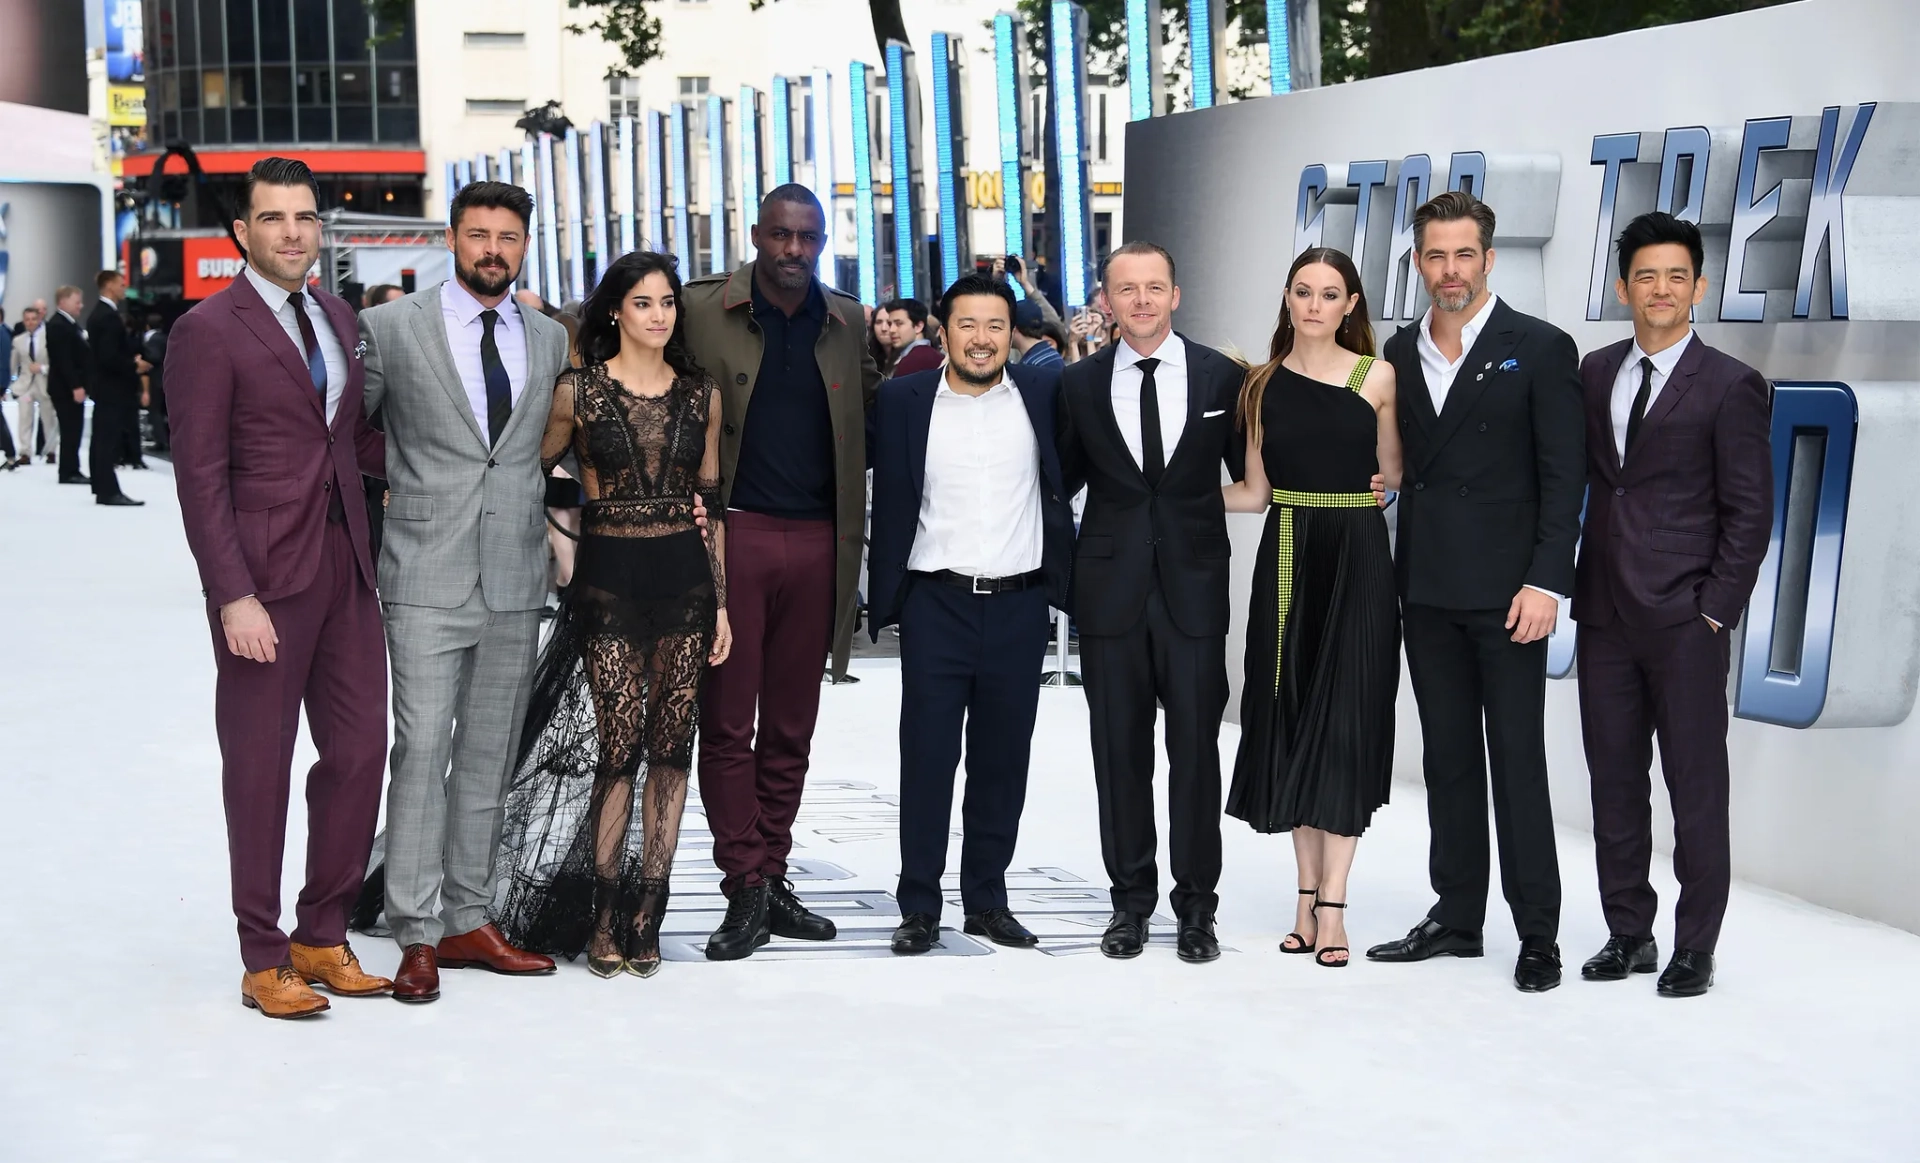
[
  {"x": 1626, "y": 385},
  {"x": 330, "y": 349},
  {"x": 461, "y": 311},
  {"x": 1439, "y": 370},
  {"x": 1169, "y": 388},
  {"x": 980, "y": 503}
]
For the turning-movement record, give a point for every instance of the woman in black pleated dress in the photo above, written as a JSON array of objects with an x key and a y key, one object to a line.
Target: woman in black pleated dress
[{"x": 1323, "y": 635}]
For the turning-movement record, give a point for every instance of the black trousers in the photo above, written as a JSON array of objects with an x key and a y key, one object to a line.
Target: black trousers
[
  {"x": 73, "y": 417},
  {"x": 967, "y": 662},
  {"x": 1126, "y": 675},
  {"x": 112, "y": 416},
  {"x": 1466, "y": 671},
  {"x": 1673, "y": 681}
]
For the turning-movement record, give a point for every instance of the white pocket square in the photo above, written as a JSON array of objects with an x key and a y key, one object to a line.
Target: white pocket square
[{"x": 1212, "y": 414}]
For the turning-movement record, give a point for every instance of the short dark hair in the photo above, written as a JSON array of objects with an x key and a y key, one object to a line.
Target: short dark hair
[
  {"x": 915, "y": 309},
  {"x": 974, "y": 284},
  {"x": 1452, "y": 206},
  {"x": 794, "y": 193},
  {"x": 276, "y": 171},
  {"x": 101, "y": 280},
  {"x": 377, "y": 294},
  {"x": 1653, "y": 229},
  {"x": 1138, "y": 246},
  {"x": 490, "y": 196}
]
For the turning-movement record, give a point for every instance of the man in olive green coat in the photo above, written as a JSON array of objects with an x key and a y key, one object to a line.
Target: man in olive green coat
[{"x": 795, "y": 377}]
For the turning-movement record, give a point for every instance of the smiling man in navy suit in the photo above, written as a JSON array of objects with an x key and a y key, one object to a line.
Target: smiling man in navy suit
[
  {"x": 972, "y": 539},
  {"x": 1679, "y": 515}
]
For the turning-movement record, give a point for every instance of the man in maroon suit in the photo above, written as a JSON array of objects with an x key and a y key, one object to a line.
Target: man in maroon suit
[
  {"x": 269, "y": 441},
  {"x": 1679, "y": 513}
]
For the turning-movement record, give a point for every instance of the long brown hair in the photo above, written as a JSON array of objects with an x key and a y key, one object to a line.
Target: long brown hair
[{"x": 1355, "y": 332}]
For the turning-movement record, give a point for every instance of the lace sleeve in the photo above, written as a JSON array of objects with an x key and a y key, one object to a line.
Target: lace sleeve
[
  {"x": 559, "y": 434},
  {"x": 708, "y": 486}
]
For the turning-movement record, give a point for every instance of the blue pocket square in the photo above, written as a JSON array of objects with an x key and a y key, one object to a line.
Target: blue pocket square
[{"x": 1512, "y": 365}]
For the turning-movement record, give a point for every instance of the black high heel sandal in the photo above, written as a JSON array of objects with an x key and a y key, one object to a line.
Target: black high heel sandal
[
  {"x": 643, "y": 952},
  {"x": 1305, "y": 945},
  {"x": 606, "y": 891},
  {"x": 1320, "y": 955}
]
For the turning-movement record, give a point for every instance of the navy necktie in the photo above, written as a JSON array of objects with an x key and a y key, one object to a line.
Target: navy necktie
[
  {"x": 316, "y": 362},
  {"x": 499, "y": 386}
]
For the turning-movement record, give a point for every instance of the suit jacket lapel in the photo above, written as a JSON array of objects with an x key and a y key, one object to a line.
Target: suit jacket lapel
[
  {"x": 919, "y": 424},
  {"x": 1477, "y": 373},
  {"x": 1200, "y": 372},
  {"x": 1042, "y": 433},
  {"x": 265, "y": 326},
  {"x": 1600, "y": 400},
  {"x": 430, "y": 331},
  {"x": 1104, "y": 364},
  {"x": 1671, "y": 391},
  {"x": 535, "y": 344},
  {"x": 347, "y": 331},
  {"x": 1414, "y": 392}
]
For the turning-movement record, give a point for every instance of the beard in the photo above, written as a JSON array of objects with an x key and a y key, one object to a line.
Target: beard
[
  {"x": 1459, "y": 300},
  {"x": 491, "y": 277},
  {"x": 981, "y": 379},
  {"x": 791, "y": 278}
]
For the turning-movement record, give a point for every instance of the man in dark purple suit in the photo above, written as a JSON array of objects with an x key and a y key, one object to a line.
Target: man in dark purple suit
[
  {"x": 269, "y": 442},
  {"x": 1679, "y": 513}
]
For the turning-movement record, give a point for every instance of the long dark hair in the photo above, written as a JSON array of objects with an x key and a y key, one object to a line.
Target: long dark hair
[
  {"x": 599, "y": 339},
  {"x": 1355, "y": 332}
]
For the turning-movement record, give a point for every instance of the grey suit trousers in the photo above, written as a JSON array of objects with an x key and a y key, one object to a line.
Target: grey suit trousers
[{"x": 461, "y": 679}]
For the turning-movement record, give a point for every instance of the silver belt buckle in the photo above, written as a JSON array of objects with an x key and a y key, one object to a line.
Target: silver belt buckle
[{"x": 983, "y": 585}]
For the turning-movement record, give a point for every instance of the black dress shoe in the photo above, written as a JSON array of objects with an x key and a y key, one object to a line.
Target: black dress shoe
[
  {"x": 1001, "y": 927},
  {"x": 1689, "y": 974},
  {"x": 1126, "y": 935},
  {"x": 787, "y": 917},
  {"x": 1197, "y": 942},
  {"x": 1538, "y": 969},
  {"x": 1427, "y": 939},
  {"x": 76, "y": 479},
  {"x": 745, "y": 926},
  {"x": 916, "y": 934},
  {"x": 1622, "y": 956},
  {"x": 117, "y": 499}
]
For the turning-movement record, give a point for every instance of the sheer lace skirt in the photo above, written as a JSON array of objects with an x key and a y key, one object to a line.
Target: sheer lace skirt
[{"x": 609, "y": 727}]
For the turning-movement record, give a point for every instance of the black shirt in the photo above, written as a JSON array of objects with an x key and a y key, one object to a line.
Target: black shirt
[{"x": 786, "y": 452}]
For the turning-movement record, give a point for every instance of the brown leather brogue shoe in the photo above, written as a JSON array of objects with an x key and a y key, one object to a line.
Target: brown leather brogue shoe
[
  {"x": 279, "y": 993},
  {"x": 419, "y": 976},
  {"x": 335, "y": 967},
  {"x": 485, "y": 948}
]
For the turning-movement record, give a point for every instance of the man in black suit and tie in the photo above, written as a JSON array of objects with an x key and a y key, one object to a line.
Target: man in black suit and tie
[
  {"x": 1679, "y": 517},
  {"x": 67, "y": 379},
  {"x": 972, "y": 536},
  {"x": 114, "y": 381},
  {"x": 1490, "y": 415},
  {"x": 1146, "y": 424}
]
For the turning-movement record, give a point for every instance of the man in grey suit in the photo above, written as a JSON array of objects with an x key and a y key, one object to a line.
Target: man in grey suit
[{"x": 465, "y": 378}]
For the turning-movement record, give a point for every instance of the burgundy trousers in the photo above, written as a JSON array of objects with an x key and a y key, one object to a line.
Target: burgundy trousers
[
  {"x": 759, "y": 707},
  {"x": 332, "y": 656}
]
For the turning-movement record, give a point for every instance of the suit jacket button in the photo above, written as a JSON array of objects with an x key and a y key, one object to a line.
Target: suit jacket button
[
  {"x": 1619, "y": 492},
  {"x": 491, "y": 463},
  {"x": 728, "y": 429},
  {"x": 1463, "y": 490},
  {"x": 1419, "y": 486},
  {"x": 740, "y": 377},
  {"x": 1483, "y": 428},
  {"x": 326, "y": 486}
]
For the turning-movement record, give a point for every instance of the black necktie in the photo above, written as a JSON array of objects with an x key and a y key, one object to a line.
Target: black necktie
[
  {"x": 316, "y": 363},
  {"x": 499, "y": 387},
  {"x": 1153, "y": 455},
  {"x": 33, "y": 346},
  {"x": 1639, "y": 412}
]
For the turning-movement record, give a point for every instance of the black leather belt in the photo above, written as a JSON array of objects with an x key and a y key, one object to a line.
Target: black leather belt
[{"x": 985, "y": 585}]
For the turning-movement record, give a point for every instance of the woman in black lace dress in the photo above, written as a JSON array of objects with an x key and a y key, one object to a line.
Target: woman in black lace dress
[
  {"x": 1323, "y": 632},
  {"x": 613, "y": 709}
]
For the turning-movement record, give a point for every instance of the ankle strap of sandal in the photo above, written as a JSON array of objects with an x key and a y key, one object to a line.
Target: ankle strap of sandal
[{"x": 1329, "y": 905}]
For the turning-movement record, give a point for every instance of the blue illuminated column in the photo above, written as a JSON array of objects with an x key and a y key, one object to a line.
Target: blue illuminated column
[
  {"x": 1010, "y": 104},
  {"x": 1143, "y": 59},
  {"x": 903, "y": 117},
  {"x": 1205, "y": 40},
  {"x": 680, "y": 160},
  {"x": 463, "y": 173},
  {"x": 626, "y": 183},
  {"x": 576, "y": 217},
  {"x": 753, "y": 133},
  {"x": 859, "y": 84},
  {"x": 596, "y": 203},
  {"x": 1279, "y": 48},
  {"x": 481, "y": 162},
  {"x": 719, "y": 223},
  {"x": 550, "y": 221},
  {"x": 656, "y": 217},
  {"x": 950, "y": 157},
  {"x": 823, "y": 167},
  {"x": 780, "y": 132},
  {"x": 529, "y": 180},
  {"x": 1067, "y": 71}
]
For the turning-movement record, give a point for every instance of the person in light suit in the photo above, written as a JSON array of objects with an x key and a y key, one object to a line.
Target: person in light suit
[{"x": 29, "y": 367}]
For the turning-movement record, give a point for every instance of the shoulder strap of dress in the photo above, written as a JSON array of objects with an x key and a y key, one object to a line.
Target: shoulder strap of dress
[{"x": 1359, "y": 375}]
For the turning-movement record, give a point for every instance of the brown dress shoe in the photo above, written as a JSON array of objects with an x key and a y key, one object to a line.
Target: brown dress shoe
[
  {"x": 335, "y": 967},
  {"x": 485, "y": 948},
  {"x": 419, "y": 976},
  {"x": 279, "y": 993}
]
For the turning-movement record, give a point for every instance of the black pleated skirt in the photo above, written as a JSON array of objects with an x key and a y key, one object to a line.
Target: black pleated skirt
[{"x": 1317, "y": 714}]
